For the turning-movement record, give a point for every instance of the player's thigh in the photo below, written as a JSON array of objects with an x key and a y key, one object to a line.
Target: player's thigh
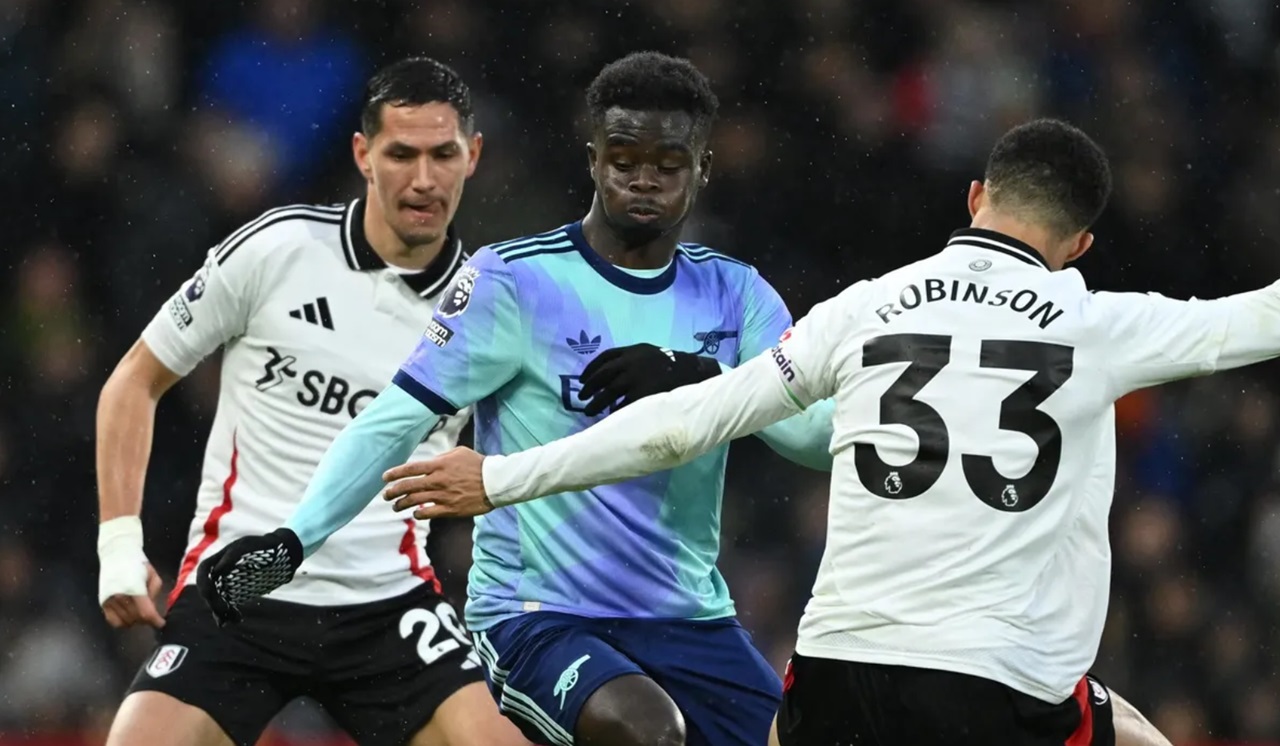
[
  {"x": 157, "y": 719},
  {"x": 469, "y": 717},
  {"x": 726, "y": 689},
  {"x": 233, "y": 676},
  {"x": 1132, "y": 727},
  {"x": 391, "y": 665},
  {"x": 543, "y": 667}
]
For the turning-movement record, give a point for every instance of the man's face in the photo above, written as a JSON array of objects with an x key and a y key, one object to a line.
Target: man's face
[
  {"x": 648, "y": 167},
  {"x": 416, "y": 166}
]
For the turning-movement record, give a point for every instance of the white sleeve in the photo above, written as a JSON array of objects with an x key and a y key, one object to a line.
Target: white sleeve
[
  {"x": 656, "y": 433},
  {"x": 1150, "y": 339},
  {"x": 807, "y": 356},
  {"x": 209, "y": 310}
]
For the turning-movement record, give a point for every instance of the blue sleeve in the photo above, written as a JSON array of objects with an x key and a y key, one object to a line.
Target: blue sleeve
[
  {"x": 349, "y": 475},
  {"x": 474, "y": 343},
  {"x": 804, "y": 439},
  {"x": 764, "y": 318}
]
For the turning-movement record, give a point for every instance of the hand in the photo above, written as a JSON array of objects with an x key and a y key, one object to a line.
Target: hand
[
  {"x": 623, "y": 375},
  {"x": 124, "y": 610},
  {"x": 246, "y": 569},
  {"x": 448, "y": 486}
]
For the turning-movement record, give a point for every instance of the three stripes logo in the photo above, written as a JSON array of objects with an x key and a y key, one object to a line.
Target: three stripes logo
[{"x": 315, "y": 313}]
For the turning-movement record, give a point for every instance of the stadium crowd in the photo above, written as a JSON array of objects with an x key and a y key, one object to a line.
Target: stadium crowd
[{"x": 134, "y": 134}]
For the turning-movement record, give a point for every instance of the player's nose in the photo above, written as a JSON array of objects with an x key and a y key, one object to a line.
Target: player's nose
[{"x": 645, "y": 180}]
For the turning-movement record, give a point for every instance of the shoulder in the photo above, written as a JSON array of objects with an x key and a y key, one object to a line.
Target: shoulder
[
  {"x": 698, "y": 254},
  {"x": 277, "y": 231},
  {"x": 530, "y": 247}
]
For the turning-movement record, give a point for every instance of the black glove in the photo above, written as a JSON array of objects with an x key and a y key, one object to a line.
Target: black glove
[
  {"x": 623, "y": 375},
  {"x": 246, "y": 569}
]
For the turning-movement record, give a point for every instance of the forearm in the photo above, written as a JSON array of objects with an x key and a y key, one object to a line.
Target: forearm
[
  {"x": 125, "y": 425},
  {"x": 656, "y": 433},
  {"x": 349, "y": 475},
  {"x": 1252, "y": 328},
  {"x": 805, "y": 438}
]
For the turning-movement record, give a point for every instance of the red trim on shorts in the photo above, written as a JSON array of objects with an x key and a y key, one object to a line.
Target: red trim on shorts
[
  {"x": 192, "y": 558},
  {"x": 788, "y": 678},
  {"x": 1084, "y": 732},
  {"x": 409, "y": 548}
]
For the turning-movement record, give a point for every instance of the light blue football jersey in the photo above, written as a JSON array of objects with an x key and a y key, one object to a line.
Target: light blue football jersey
[{"x": 512, "y": 335}]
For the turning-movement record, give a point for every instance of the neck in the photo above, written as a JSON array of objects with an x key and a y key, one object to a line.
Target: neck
[
  {"x": 388, "y": 246},
  {"x": 1037, "y": 237},
  {"x": 606, "y": 240}
]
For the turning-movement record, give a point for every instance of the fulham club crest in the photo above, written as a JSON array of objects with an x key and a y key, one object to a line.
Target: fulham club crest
[{"x": 166, "y": 660}]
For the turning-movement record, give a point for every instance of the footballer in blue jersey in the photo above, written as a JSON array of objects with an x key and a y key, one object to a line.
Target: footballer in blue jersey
[{"x": 600, "y": 614}]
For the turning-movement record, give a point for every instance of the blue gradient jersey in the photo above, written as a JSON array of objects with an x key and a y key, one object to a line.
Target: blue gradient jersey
[{"x": 513, "y": 334}]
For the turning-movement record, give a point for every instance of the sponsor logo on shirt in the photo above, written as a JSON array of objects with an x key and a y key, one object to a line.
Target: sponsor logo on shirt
[
  {"x": 438, "y": 334},
  {"x": 784, "y": 363},
  {"x": 180, "y": 312}
]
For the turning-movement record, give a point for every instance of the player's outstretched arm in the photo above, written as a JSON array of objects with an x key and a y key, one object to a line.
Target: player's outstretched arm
[
  {"x": 805, "y": 438},
  {"x": 348, "y": 476},
  {"x": 656, "y": 433},
  {"x": 126, "y": 420},
  {"x": 1151, "y": 339}
]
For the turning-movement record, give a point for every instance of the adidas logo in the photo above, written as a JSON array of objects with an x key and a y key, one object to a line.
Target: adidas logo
[
  {"x": 582, "y": 345},
  {"x": 315, "y": 313}
]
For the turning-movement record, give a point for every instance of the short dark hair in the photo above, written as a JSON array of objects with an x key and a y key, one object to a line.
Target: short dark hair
[
  {"x": 651, "y": 81},
  {"x": 412, "y": 82},
  {"x": 1051, "y": 171}
]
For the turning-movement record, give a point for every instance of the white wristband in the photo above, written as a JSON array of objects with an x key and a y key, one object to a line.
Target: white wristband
[{"x": 122, "y": 563}]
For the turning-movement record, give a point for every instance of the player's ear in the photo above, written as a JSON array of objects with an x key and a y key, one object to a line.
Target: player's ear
[
  {"x": 976, "y": 194},
  {"x": 591, "y": 159},
  {"x": 1082, "y": 244},
  {"x": 704, "y": 166},
  {"x": 360, "y": 151},
  {"x": 475, "y": 145}
]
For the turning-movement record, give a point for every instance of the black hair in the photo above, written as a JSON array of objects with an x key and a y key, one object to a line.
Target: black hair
[
  {"x": 412, "y": 82},
  {"x": 651, "y": 81},
  {"x": 1052, "y": 171}
]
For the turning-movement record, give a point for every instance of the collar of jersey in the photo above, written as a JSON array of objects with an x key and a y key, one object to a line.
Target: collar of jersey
[
  {"x": 361, "y": 257},
  {"x": 981, "y": 238},
  {"x": 629, "y": 282}
]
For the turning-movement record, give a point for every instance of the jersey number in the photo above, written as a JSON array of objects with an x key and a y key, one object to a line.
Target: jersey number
[
  {"x": 927, "y": 355},
  {"x": 430, "y": 650}
]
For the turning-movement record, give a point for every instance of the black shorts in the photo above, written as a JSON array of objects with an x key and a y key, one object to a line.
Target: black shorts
[
  {"x": 379, "y": 669},
  {"x": 839, "y": 703}
]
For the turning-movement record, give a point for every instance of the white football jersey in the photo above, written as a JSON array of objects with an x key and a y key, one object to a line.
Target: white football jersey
[
  {"x": 314, "y": 324},
  {"x": 974, "y": 447}
]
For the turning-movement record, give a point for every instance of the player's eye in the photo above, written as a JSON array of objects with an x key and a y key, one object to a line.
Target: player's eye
[
  {"x": 622, "y": 165},
  {"x": 670, "y": 167}
]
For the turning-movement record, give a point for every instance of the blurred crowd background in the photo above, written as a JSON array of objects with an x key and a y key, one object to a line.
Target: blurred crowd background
[{"x": 135, "y": 134}]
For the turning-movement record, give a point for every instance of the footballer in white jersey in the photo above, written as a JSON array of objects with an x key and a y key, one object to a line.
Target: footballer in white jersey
[
  {"x": 313, "y": 307},
  {"x": 964, "y": 586}
]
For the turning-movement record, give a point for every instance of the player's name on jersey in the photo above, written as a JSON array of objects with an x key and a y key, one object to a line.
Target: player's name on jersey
[{"x": 1022, "y": 301}]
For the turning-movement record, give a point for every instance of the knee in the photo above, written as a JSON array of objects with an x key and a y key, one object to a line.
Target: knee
[{"x": 630, "y": 711}]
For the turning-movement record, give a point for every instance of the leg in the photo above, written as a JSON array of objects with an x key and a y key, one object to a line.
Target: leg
[
  {"x": 469, "y": 718},
  {"x": 403, "y": 671},
  {"x": 156, "y": 719},
  {"x": 1132, "y": 728},
  {"x": 561, "y": 679},
  {"x": 630, "y": 711},
  {"x": 203, "y": 686},
  {"x": 727, "y": 692}
]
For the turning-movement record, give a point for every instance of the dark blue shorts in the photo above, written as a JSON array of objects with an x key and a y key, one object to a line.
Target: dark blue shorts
[{"x": 543, "y": 666}]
